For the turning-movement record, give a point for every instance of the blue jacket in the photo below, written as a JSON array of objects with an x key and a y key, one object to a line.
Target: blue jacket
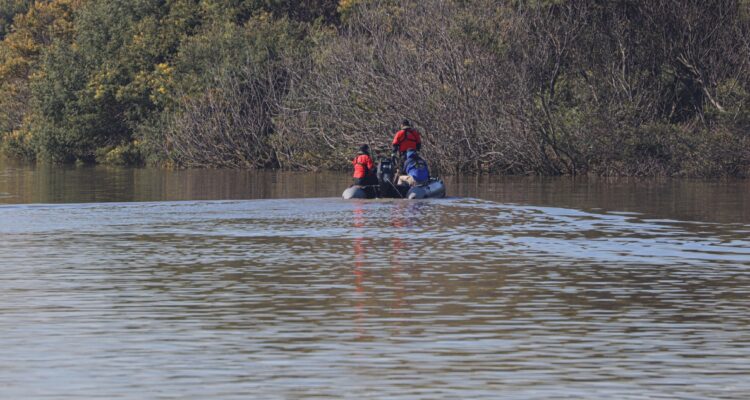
[{"x": 416, "y": 167}]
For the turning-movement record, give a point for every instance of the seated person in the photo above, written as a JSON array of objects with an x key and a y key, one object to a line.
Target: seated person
[
  {"x": 416, "y": 170},
  {"x": 364, "y": 168}
]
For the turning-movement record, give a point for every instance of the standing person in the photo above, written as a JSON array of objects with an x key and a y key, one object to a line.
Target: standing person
[
  {"x": 364, "y": 168},
  {"x": 406, "y": 139},
  {"x": 415, "y": 169}
]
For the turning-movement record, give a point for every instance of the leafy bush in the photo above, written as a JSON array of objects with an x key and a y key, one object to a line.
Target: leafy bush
[{"x": 545, "y": 87}]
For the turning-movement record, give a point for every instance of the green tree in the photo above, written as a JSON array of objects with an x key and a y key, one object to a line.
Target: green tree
[
  {"x": 8, "y": 10},
  {"x": 20, "y": 54}
]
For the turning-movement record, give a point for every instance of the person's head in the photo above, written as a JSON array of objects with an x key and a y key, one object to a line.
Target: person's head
[
  {"x": 364, "y": 148},
  {"x": 411, "y": 153},
  {"x": 405, "y": 124}
]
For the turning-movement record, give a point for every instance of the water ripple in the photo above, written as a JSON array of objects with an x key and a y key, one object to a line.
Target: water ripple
[{"x": 454, "y": 298}]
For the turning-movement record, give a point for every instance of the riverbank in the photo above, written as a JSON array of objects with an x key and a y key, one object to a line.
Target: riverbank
[{"x": 700, "y": 159}]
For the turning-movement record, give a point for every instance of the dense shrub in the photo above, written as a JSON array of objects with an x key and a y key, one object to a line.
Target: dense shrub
[{"x": 546, "y": 87}]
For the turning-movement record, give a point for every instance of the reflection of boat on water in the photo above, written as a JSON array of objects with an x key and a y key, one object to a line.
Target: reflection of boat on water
[
  {"x": 383, "y": 269},
  {"x": 386, "y": 188}
]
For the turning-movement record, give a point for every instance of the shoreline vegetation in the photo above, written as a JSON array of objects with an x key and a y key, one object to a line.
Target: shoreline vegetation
[{"x": 545, "y": 87}]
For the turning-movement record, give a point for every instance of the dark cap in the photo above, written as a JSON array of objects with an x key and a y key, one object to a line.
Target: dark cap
[
  {"x": 405, "y": 122},
  {"x": 364, "y": 148}
]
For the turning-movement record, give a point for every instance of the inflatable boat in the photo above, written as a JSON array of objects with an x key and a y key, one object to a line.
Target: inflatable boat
[
  {"x": 385, "y": 188},
  {"x": 432, "y": 188}
]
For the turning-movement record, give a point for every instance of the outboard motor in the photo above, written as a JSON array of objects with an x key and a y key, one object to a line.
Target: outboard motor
[{"x": 386, "y": 171}]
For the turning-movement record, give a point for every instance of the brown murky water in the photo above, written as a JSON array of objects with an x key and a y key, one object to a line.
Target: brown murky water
[{"x": 136, "y": 283}]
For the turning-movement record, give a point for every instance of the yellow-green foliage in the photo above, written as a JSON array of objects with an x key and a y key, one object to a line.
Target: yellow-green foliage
[
  {"x": 20, "y": 51},
  {"x": 540, "y": 86},
  {"x": 346, "y": 7},
  {"x": 18, "y": 143},
  {"x": 124, "y": 154}
]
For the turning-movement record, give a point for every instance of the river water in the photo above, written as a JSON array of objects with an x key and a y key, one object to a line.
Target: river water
[{"x": 139, "y": 283}]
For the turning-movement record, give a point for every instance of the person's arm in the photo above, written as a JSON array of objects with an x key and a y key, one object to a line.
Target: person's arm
[{"x": 398, "y": 138}]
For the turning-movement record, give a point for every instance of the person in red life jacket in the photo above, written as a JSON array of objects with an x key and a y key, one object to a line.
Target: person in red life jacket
[
  {"x": 406, "y": 139},
  {"x": 364, "y": 168}
]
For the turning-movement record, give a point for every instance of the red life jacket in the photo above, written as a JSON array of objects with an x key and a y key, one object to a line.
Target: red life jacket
[
  {"x": 362, "y": 165},
  {"x": 407, "y": 139}
]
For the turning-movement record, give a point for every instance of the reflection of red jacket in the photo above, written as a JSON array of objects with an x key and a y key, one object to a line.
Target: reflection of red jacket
[
  {"x": 407, "y": 139},
  {"x": 362, "y": 165}
]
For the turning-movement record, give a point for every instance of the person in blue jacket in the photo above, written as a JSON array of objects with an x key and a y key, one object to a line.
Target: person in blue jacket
[{"x": 416, "y": 170}]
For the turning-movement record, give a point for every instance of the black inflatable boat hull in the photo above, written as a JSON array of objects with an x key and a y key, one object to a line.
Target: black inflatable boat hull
[
  {"x": 433, "y": 189},
  {"x": 355, "y": 192}
]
